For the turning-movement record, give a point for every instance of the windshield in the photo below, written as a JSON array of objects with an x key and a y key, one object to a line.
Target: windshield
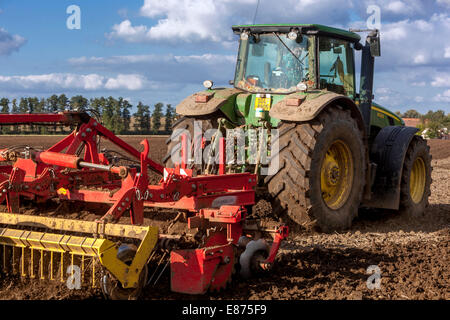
[{"x": 274, "y": 63}]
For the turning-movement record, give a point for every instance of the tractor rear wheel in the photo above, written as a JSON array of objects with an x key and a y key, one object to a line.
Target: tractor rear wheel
[
  {"x": 321, "y": 172},
  {"x": 416, "y": 179}
]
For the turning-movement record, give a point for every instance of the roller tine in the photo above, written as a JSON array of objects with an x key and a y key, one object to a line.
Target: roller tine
[
  {"x": 13, "y": 258},
  {"x": 82, "y": 268},
  {"x": 41, "y": 265},
  {"x": 5, "y": 265},
  {"x": 62, "y": 267},
  {"x": 93, "y": 273},
  {"x": 5, "y": 259},
  {"x": 71, "y": 262},
  {"x": 31, "y": 263},
  {"x": 51, "y": 265},
  {"x": 23, "y": 274}
]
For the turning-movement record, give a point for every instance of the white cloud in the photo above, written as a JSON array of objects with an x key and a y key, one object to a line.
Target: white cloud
[
  {"x": 69, "y": 81},
  {"x": 444, "y": 97},
  {"x": 10, "y": 43},
  {"x": 383, "y": 91},
  {"x": 441, "y": 80},
  {"x": 126, "y": 81},
  {"x": 444, "y": 2},
  {"x": 164, "y": 67},
  {"x": 420, "y": 59},
  {"x": 207, "y": 58},
  {"x": 211, "y": 20},
  {"x": 188, "y": 21},
  {"x": 397, "y": 10},
  {"x": 415, "y": 42},
  {"x": 447, "y": 52},
  {"x": 397, "y": 7}
]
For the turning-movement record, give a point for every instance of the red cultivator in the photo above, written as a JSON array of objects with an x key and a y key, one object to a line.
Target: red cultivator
[{"x": 217, "y": 236}]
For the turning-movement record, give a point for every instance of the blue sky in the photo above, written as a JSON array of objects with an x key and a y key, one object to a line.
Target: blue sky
[{"x": 155, "y": 50}]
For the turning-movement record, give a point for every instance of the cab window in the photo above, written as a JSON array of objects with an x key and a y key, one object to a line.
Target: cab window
[{"x": 336, "y": 66}]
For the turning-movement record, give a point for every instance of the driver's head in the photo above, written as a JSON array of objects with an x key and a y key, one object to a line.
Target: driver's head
[{"x": 297, "y": 51}]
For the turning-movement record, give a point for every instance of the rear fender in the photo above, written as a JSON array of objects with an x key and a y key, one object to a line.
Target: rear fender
[{"x": 388, "y": 153}]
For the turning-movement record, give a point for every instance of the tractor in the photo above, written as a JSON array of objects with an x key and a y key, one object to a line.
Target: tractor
[{"x": 337, "y": 150}]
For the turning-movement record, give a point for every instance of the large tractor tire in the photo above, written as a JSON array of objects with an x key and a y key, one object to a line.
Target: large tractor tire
[
  {"x": 321, "y": 172},
  {"x": 186, "y": 124},
  {"x": 416, "y": 179}
]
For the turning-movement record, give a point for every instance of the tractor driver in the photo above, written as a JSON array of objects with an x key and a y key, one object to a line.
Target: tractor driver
[{"x": 290, "y": 64}]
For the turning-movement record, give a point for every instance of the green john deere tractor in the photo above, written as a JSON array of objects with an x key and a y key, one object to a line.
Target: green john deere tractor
[{"x": 336, "y": 150}]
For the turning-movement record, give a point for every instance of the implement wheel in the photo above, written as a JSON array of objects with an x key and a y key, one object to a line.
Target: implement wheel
[
  {"x": 322, "y": 171},
  {"x": 416, "y": 179},
  {"x": 112, "y": 288}
]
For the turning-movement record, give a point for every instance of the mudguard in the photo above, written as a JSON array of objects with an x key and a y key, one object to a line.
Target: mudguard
[
  {"x": 213, "y": 100},
  {"x": 312, "y": 105},
  {"x": 388, "y": 153}
]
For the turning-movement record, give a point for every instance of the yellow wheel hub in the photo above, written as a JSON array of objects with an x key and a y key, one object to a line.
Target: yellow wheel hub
[
  {"x": 336, "y": 175},
  {"x": 417, "y": 180}
]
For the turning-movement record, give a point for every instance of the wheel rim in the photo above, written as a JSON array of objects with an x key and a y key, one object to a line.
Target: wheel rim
[
  {"x": 336, "y": 175},
  {"x": 417, "y": 180}
]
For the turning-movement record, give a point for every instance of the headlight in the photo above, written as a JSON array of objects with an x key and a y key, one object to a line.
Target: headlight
[
  {"x": 302, "y": 86},
  {"x": 244, "y": 35},
  {"x": 293, "y": 35},
  {"x": 208, "y": 84}
]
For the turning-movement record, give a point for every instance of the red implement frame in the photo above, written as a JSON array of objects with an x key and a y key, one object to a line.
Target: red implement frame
[{"x": 72, "y": 167}]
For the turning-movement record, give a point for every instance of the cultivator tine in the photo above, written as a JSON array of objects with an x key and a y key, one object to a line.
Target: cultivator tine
[
  {"x": 157, "y": 267},
  {"x": 162, "y": 271}
]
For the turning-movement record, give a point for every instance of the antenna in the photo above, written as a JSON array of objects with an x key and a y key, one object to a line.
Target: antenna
[{"x": 256, "y": 11}]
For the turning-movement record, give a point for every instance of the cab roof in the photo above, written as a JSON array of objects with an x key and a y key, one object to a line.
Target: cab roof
[{"x": 304, "y": 28}]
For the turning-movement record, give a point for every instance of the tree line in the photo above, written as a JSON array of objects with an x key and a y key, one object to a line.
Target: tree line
[
  {"x": 434, "y": 121},
  {"x": 114, "y": 114}
]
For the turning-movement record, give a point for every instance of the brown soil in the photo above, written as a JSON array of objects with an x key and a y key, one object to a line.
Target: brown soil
[
  {"x": 439, "y": 148},
  {"x": 413, "y": 256}
]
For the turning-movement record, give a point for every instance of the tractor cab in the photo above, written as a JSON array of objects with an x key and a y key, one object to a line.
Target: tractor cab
[{"x": 294, "y": 58}]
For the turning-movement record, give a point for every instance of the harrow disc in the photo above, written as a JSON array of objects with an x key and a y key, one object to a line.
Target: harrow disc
[{"x": 255, "y": 252}]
